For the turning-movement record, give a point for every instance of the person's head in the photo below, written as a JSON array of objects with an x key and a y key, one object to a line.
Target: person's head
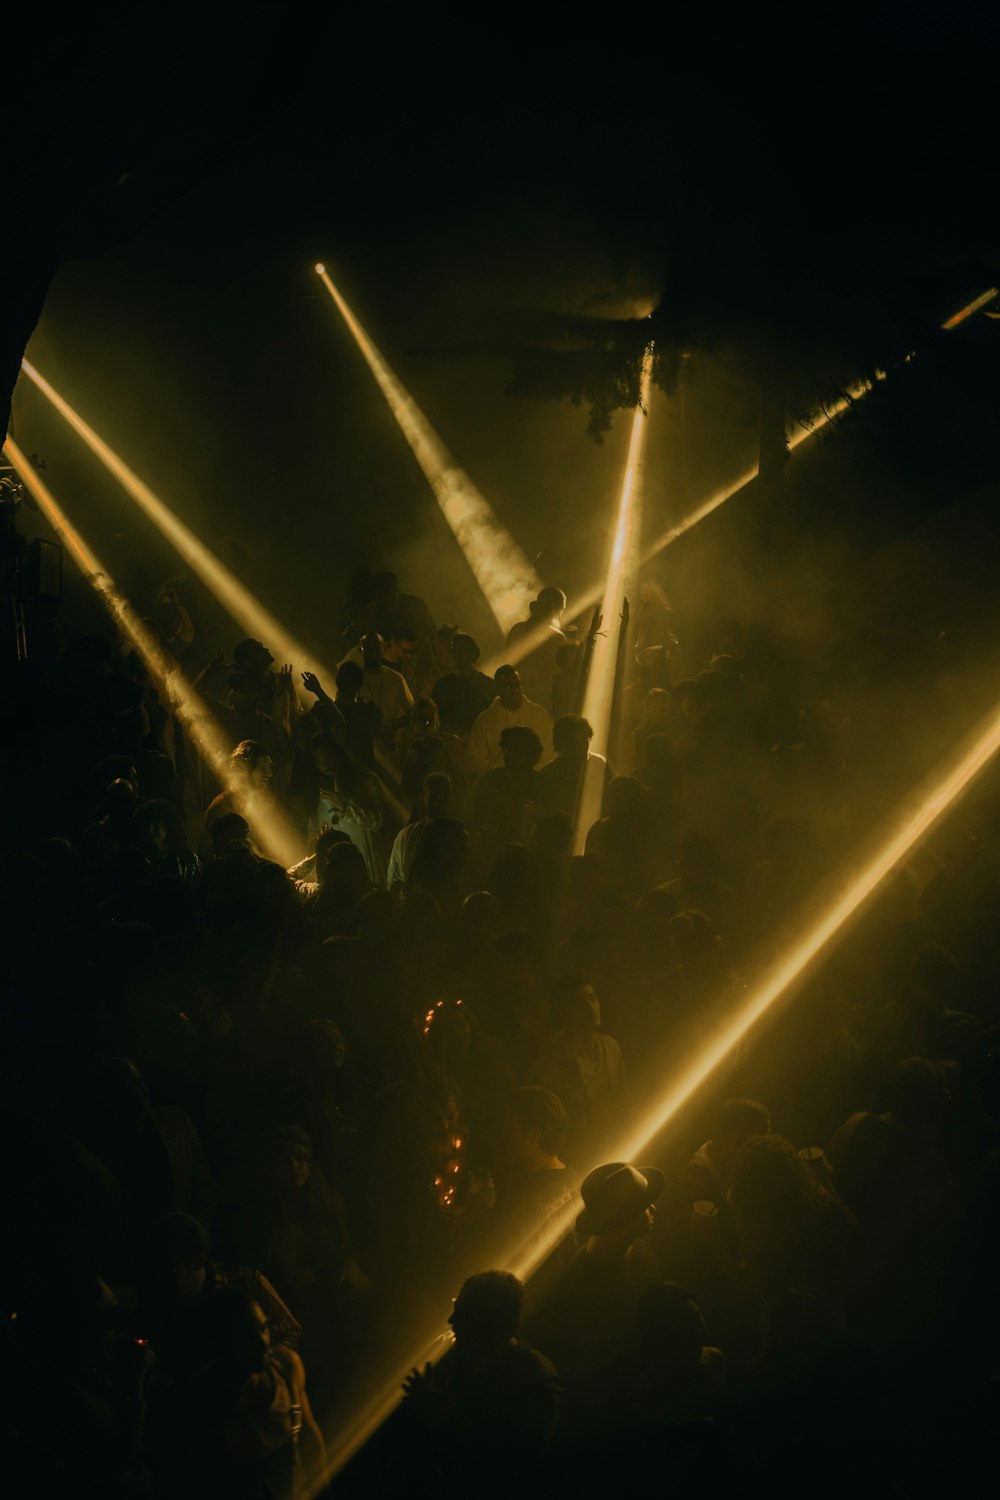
[
  {"x": 520, "y": 747},
  {"x": 655, "y": 707},
  {"x": 159, "y": 828},
  {"x": 625, "y": 800},
  {"x": 345, "y": 871},
  {"x": 671, "y": 1327},
  {"x": 464, "y": 653},
  {"x": 618, "y": 1203},
  {"x": 575, "y": 1006},
  {"x": 120, "y": 800},
  {"x": 425, "y": 718},
  {"x": 325, "y": 755},
  {"x": 654, "y": 668},
  {"x": 252, "y": 656},
  {"x": 290, "y": 1154},
  {"x": 255, "y": 759},
  {"x": 322, "y": 1049},
  {"x": 487, "y": 1311},
  {"x": 229, "y": 833},
  {"x": 372, "y": 654},
  {"x": 690, "y": 700},
  {"x": 549, "y": 606},
  {"x": 349, "y": 681},
  {"x": 535, "y": 1126},
  {"x": 325, "y": 841},
  {"x": 437, "y": 794},
  {"x": 400, "y": 647},
  {"x": 571, "y": 737},
  {"x": 177, "y": 1254},
  {"x": 507, "y": 681},
  {"x": 741, "y": 1120},
  {"x": 772, "y": 1185}
]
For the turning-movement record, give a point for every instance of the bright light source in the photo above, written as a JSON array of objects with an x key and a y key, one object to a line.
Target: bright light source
[
  {"x": 320, "y": 268},
  {"x": 247, "y": 611},
  {"x": 977, "y": 305},
  {"x": 599, "y": 694},
  {"x": 271, "y": 829},
  {"x": 504, "y": 574}
]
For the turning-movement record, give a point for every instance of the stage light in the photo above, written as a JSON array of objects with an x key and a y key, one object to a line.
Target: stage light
[
  {"x": 976, "y": 305},
  {"x": 245, "y": 609},
  {"x": 319, "y": 268},
  {"x": 599, "y": 692},
  {"x": 270, "y": 828},
  {"x": 504, "y": 574}
]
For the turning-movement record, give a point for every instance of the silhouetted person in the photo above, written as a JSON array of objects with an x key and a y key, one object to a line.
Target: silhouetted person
[{"x": 463, "y": 693}]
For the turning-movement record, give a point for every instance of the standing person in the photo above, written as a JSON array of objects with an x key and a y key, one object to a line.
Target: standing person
[
  {"x": 562, "y": 780},
  {"x": 390, "y": 609},
  {"x": 510, "y": 707},
  {"x": 399, "y": 651},
  {"x": 382, "y": 685},
  {"x": 504, "y": 803},
  {"x": 587, "y": 1324},
  {"x": 463, "y": 693},
  {"x": 491, "y": 1403},
  {"x": 582, "y": 1065},
  {"x": 535, "y": 642},
  {"x": 361, "y": 717},
  {"x": 251, "y": 762}
]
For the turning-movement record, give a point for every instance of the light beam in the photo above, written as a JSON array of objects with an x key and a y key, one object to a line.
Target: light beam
[
  {"x": 913, "y": 821},
  {"x": 245, "y": 609},
  {"x": 271, "y": 829},
  {"x": 506, "y": 577},
  {"x": 599, "y": 692},
  {"x": 976, "y": 305}
]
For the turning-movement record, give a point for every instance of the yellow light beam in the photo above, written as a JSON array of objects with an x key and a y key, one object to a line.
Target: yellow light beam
[
  {"x": 504, "y": 574},
  {"x": 809, "y": 428},
  {"x": 271, "y": 829},
  {"x": 912, "y": 823},
  {"x": 245, "y": 609},
  {"x": 600, "y": 686},
  {"x": 976, "y": 305}
]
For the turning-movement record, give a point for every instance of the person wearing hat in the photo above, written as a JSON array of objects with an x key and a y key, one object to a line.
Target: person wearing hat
[{"x": 587, "y": 1325}]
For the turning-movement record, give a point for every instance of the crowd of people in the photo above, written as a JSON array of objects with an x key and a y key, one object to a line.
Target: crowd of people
[{"x": 261, "y": 1121}]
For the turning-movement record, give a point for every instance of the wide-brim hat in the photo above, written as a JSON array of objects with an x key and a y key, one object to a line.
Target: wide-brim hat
[{"x": 614, "y": 1194}]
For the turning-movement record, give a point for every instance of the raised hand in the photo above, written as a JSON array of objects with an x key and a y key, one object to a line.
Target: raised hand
[{"x": 311, "y": 683}]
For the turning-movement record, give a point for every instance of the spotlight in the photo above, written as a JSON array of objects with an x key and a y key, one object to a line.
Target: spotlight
[
  {"x": 504, "y": 574},
  {"x": 270, "y": 828},
  {"x": 319, "y": 268}
]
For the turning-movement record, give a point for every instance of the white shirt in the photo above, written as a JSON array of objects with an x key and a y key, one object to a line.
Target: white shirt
[
  {"x": 484, "y": 740},
  {"x": 386, "y": 688}
]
